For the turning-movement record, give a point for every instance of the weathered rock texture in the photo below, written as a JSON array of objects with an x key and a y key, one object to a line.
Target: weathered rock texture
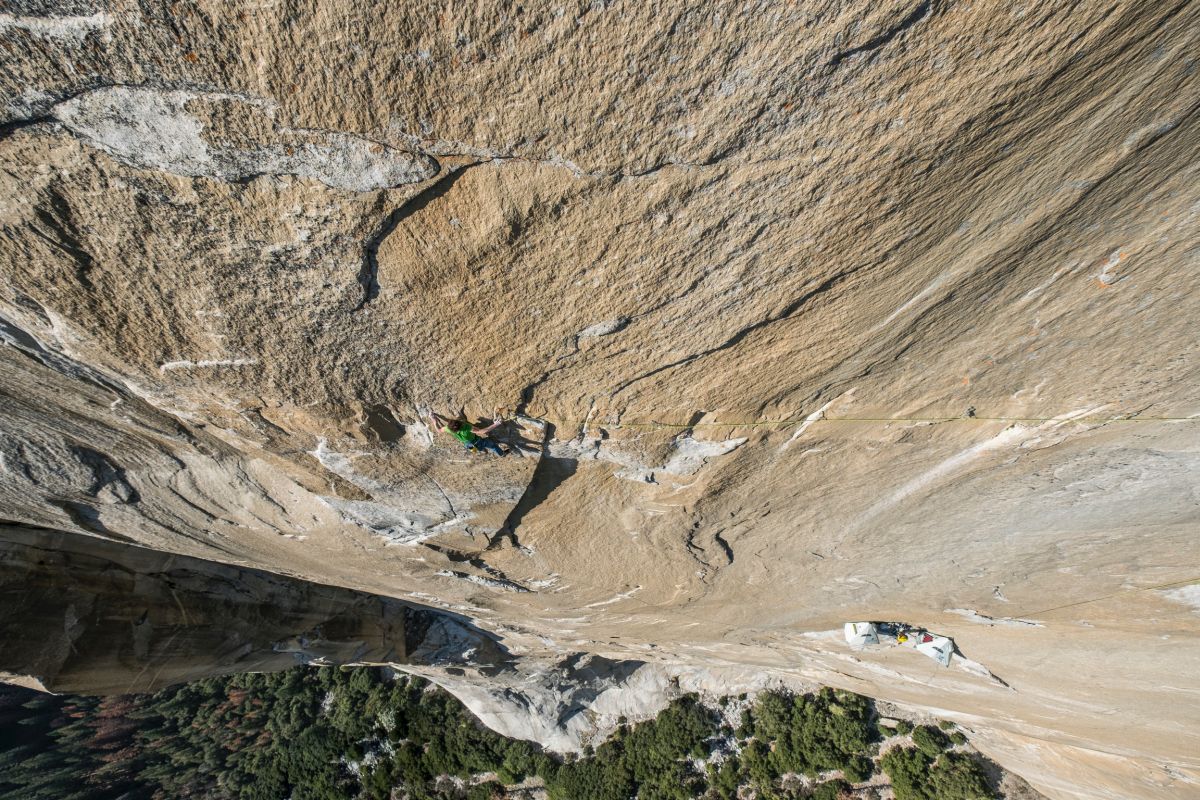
[{"x": 834, "y": 311}]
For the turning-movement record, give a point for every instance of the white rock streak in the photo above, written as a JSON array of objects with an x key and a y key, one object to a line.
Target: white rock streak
[
  {"x": 618, "y": 598},
  {"x": 204, "y": 364},
  {"x": 691, "y": 454},
  {"x": 808, "y": 421},
  {"x": 1011, "y": 437},
  {"x": 1188, "y": 595},
  {"x": 921, "y": 295},
  {"x": 76, "y": 27}
]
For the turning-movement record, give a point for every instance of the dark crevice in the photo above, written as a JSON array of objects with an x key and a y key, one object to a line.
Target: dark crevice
[
  {"x": 368, "y": 275},
  {"x": 916, "y": 15},
  {"x": 579, "y": 173},
  {"x": 700, "y": 551},
  {"x": 528, "y": 392},
  {"x": 9, "y": 128},
  {"x": 458, "y": 557},
  {"x": 792, "y": 308},
  {"x": 724, "y": 545},
  {"x": 550, "y": 473},
  {"x": 690, "y": 543},
  {"x": 659, "y": 167},
  {"x": 64, "y": 235}
]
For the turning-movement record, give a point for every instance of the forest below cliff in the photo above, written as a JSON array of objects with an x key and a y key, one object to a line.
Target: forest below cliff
[{"x": 343, "y": 734}]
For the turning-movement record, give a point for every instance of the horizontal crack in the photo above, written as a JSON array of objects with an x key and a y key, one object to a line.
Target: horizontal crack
[
  {"x": 486, "y": 155},
  {"x": 918, "y": 14}
]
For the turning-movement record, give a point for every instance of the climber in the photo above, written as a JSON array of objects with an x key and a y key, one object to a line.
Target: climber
[{"x": 473, "y": 437}]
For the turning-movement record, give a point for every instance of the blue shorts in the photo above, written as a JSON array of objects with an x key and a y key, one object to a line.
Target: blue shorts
[{"x": 484, "y": 443}]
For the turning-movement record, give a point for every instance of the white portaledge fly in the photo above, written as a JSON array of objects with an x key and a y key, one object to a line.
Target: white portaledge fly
[{"x": 860, "y": 635}]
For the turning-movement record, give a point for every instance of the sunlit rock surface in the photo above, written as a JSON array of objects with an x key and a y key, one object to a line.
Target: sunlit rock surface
[{"x": 832, "y": 311}]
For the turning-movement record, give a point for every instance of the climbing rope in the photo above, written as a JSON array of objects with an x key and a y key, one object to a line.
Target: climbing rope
[
  {"x": 1161, "y": 586},
  {"x": 783, "y": 423}
]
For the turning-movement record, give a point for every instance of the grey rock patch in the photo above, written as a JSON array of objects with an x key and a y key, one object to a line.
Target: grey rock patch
[
  {"x": 604, "y": 328},
  {"x": 479, "y": 580},
  {"x": 159, "y": 129},
  {"x": 65, "y": 27},
  {"x": 686, "y": 457},
  {"x": 691, "y": 454},
  {"x": 30, "y": 103},
  {"x": 396, "y": 525}
]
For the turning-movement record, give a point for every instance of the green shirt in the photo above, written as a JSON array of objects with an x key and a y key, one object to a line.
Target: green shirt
[{"x": 464, "y": 434}]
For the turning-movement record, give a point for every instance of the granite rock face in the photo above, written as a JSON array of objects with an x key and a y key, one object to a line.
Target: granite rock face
[{"x": 816, "y": 312}]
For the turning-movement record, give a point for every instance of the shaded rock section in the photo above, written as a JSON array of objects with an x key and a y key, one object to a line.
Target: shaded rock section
[{"x": 88, "y": 616}]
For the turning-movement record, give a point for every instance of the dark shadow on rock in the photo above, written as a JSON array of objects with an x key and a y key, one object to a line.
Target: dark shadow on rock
[
  {"x": 90, "y": 616},
  {"x": 88, "y": 518},
  {"x": 105, "y": 473},
  {"x": 512, "y": 433},
  {"x": 550, "y": 473},
  {"x": 1002, "y": 783},
  {"x": 381, "y": 424}
]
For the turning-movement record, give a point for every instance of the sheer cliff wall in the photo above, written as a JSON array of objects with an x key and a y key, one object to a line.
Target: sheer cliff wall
[{"x": 815, "y": 312}]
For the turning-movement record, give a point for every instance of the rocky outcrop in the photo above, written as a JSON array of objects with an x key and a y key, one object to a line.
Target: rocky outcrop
[
  {"x": 833, "y": 312},
  {"x": 87, "y": 615}
]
